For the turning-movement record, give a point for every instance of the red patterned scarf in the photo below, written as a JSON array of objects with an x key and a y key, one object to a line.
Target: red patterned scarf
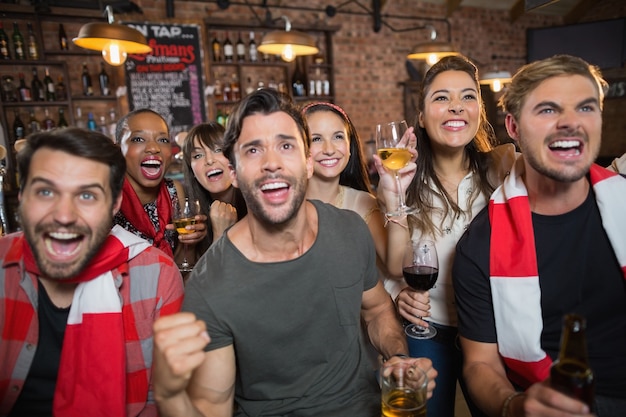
[
  {"x": 133, "y": 210},
  {"x": 92, "y": 370},
  {"x": 514, "y": 277}
]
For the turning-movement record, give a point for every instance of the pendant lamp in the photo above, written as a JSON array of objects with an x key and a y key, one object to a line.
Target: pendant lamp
[
  {"x": 432, "y": 51},
  {"x": 114, "y": 40},
  {"x": 288, "y": 43},
  {"x": 496, "y": 80}
]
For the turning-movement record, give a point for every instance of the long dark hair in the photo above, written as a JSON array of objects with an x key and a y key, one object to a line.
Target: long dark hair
[
  {"x": 354, "y": 174},
  {"x": 420, "y": 194},
  {"x": 212, "y": 135}
]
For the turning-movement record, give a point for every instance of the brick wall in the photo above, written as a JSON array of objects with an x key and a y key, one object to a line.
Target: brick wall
[{"x": 369, "y": 65}]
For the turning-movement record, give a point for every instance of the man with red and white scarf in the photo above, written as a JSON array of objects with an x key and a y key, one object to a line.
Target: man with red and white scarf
[
  {"x": 552, "y": 241},
  {"x": 78, "y": 297}
]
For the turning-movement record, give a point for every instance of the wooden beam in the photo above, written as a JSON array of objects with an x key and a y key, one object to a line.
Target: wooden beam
[
  {"x": 517, "y": 11},
  {"x": 451, "y": 6},
  {"x": 579, "y": 11}
]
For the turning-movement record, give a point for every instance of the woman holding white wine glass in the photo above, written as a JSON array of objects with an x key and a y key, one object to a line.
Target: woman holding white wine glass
[{"x": 456, "y": 170}]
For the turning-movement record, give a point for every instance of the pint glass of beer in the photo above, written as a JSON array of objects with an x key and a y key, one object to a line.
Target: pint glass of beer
[{"x": 404, "y": 390}]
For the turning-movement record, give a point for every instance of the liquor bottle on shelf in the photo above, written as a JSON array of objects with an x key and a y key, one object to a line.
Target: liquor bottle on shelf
[
  {"x": 253, "y": 54},
  {"x": 4, "y": 44},
  {"x": 227, "y": 90},
  {"x": 51, "y": 94},
  {"x": 220, "y": 118},
  {"x": 103, "y": 127},
  {"x": 33, "y": 48},
  {"x": 33, "y": 124},
  {"x": 19, "y": 130},
  {"x": 241, "y": 49},
  {"x": 61, "y": 91},
  {"x": 571, "y": 373},
  {"x": 37, "y": 88},
  {"x": 80, "y": 122},
  {"x": 18, "y": 42},
  {"x": 112, "y": 123},
  {"x": 48, "y": 123},
  {"x": 24, "y": 91},
  {"x": 272, "y": 84},
  {"x": 62, "y": 120},
  {"x": 235, "y": 89},
  {"x": 249, "y": 86},
  {"x": 228, "y": 49},
  {"x": 86, "y": 81},
  {"x": 298, "y": 80},
  {"x": 63, "y": 44},
  {"x": 103, "y": 80},
  {"x": 218, "y": 92},
  {"x": 216, "y": 48},
  {"x": 91, "y": 122}
]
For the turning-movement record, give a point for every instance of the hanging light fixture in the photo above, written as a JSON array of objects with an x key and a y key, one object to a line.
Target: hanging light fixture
[
  {"x": 114, "y": 40},
  {"x": 496, "y": 80},
  {"x": 432, "y": 51},
  {"x": 288, "y": 43}
]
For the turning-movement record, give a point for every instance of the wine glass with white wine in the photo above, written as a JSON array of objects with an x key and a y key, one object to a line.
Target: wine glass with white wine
[
  {"x": 185, "y": 215},
  {"x": 392, "y": 148}
]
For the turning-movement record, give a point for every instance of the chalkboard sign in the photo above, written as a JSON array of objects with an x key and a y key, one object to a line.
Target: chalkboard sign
[{"x": 170, "y": 79}]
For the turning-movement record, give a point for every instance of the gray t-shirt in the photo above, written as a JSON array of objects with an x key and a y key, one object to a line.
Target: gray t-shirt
[{"x": 294, "y": 324}]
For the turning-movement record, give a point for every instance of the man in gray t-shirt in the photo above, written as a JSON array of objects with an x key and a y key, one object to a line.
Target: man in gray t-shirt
[{"x": 282, "y": 293}]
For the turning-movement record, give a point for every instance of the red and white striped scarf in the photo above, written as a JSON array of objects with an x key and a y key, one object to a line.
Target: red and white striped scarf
[
  {"x": 514, "y": 277},
  {"x": 92, "y": 370}
]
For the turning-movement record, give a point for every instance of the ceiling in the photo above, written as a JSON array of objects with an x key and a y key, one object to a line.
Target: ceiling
[{"x": 570, "y": 10}]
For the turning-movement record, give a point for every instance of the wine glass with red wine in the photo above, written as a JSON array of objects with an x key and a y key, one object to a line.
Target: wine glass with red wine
[{"x": 420, "y": 268}]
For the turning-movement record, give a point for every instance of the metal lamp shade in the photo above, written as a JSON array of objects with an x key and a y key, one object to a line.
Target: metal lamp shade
[
  {"x": 96, "y": 36},
  {"x": 496, "y": 80},
  {"x": 432, "y": 51},
  {"x": 275, "y": 42}
]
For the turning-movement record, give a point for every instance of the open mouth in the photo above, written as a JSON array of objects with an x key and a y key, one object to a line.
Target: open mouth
[
  {"x": 151, "y": 168},
  {"x": 214, "y": 174},
  {"x": 274, "y": 189},
  {"x": 570, "y": 147},
  {"x": 63, "y": 244}
]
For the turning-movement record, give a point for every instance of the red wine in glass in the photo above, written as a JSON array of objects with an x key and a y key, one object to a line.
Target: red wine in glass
[
  {"x": 420, "y": 277},
  {"x": 420, "y": 270}
]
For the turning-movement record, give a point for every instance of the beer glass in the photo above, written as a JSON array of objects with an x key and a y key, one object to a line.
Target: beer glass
[
  {"x": 185, "y": 215},
  {"x": 404, "y": 389},
  {"x": 392, "y": 148}
]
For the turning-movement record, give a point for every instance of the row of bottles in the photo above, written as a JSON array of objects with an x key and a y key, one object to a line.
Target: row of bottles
[
  {"x": 36, "y": 124},
  {"x": 47, "y": 89},
  {"x": 224, "y": 51},
  {"x": 37, "y": 90},
  {"x": 103, "y": 81},
  {"x": 229, "y": 89},
  {"x": 20, "y": 48}
]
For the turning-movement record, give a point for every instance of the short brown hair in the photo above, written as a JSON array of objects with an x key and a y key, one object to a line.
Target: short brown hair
[
  {"x": 531, "y": 75},
  {"x": 263, "y": 101}
]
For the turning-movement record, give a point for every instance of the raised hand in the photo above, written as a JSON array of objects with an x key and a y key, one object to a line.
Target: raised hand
[
  {"x": 223, "y": 215},
  {"x": 179, "y": 341}
]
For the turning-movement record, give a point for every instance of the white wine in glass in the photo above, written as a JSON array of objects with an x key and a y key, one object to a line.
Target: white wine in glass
[
  {"x": 185, "y": 215},
  {"x": 392, "y": 148}
]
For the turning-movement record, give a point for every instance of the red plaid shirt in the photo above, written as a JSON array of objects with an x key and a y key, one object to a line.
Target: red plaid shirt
[{"x": 152, "y": 288}]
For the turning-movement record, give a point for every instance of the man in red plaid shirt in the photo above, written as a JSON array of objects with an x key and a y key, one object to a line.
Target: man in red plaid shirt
[{"x": 77, "y": 297}]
